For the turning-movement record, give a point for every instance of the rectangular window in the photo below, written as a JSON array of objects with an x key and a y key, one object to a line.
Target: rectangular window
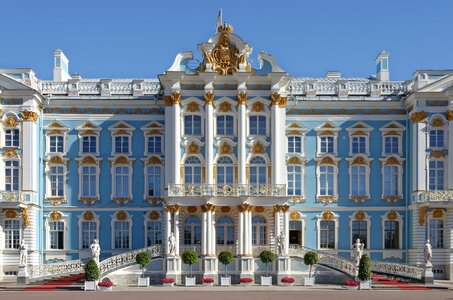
[
  {"x": 225, "y": 125},
  {"x": 358, "y": 144},
  {"x": 327, "y": 232},
  {"x": 56, "y": 144},
  {"x": 294, "y": 144},
  {"x": 154, "y": 181},
  {"x": 225, "y": 175},
  {"x": 89, "y": 144},
  {"x": 436, "y": 138},
  {"x": 89, "y": 181},
  {"x": 326, "y": 180},
  {"x": 358, "y": 181},
  {"x": 391, "y": 235},
  {"x": 391, "y": 181},
  {"x": 12, "y": 137},
  {"x": 12, "y": 234},
  {"x": 192, "y": 175},
  {"x": 294, "y": 180},
  {"x": 154, "y": 233},
  {"x": 391, "y": 145},
  {"x": 56, "y": 230},
  {"x": 154, "y": 144},
  {"x": 257, "y": 175},
  {"x": 436, "y": 233},
  {"x": 57, "y": 181},
  {"x": 121, "y": 234},
  {"x": 359, "y": 231},
  {"x": 121, "y": 182},
  {"x": 122, "y": 144},
  {"x": 12, "y": 175},
  {"x": 257, "y": 125},
  {"x": 89, "y": 233},
  {"x": 327, "y": 144},
  {"x": 192, "y": 125},
  {"x": 436, "y": 175}
]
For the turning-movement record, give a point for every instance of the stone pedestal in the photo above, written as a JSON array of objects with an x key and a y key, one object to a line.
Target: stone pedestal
[
  {"x": 210, "y": 268},
  {"x": 174, "y": 268},
  {"x": 247, "y": 266},
  {"x": 428, "y": 276},
  {"x": 283, "y": 267},
  {"x": 22, "y": 275}
]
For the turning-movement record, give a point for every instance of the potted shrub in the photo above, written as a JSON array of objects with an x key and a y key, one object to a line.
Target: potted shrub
[
  {"x": 190, "y": 257},
  {"x": 207, "y": 281},
  {"x": 267, "y": 257},
  {"x": 365, "y": 272},
  {"x": 105, "y": 286},
  {"x": 310, "y": 259},
  {"x": 142, "y": 259},
  {"x": 225, "y": 258},
  {"x": 246, "y": 281},
  {"x": 287, "y": 281},
  {"x": 168, "y": 282},
  {"x": 91, "y": 275},
  {"x": 351, "y": 284}
]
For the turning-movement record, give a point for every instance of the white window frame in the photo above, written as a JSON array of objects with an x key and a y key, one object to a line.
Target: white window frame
[
  {"x": 445, "y": 163},
  {"x": 113, "y": 176},
  {"x": 367, "y": 174},
  {"x": 64, "y": 220},
  {"x": 122, "y": 136},
  {"x": 162, "y": 144},
  {"x": 335, "y": 176},
  {"x": 112, "y": 228},
  {"x": 145, "y": 224},
  {"x": 367, "y": 219},
  {"x": 400, "y": 175},
  {"x": 21, "y": 233},
  {"x": 63, "y": 164},
  {"x": 302, "y": 143},
  {"x": 162, "y": 180},
  {"x": 392, "y": 129},
  {"x": 56, "y": 129},
  {"x": 3, "y": 177},
  {"x": 444, "y": 128},
  {"x": 302, "y": 187},
  {"x": 303, "y": 229},
  {"x": 399, "y": 219},
  {"x": 221, "y": 114},
  {"x": 444, "y": 220},
  {"x": 360, "y": 129},
  {"x": 335, "y": 219},
  {"x": 328, "y": 129},
  {"x": 17, "y": 127},
  {"x": 80, "y": 218},
  {"x": 80, "y": 170},
  {"x": 88, "y": 129},
  {"x": 267, "y": 229}
]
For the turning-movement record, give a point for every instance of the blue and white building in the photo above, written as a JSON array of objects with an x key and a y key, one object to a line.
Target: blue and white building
[{"x": 226, "y": 156}]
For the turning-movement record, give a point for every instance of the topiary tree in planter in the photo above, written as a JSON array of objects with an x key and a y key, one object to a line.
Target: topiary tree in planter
[
  {"x": 310, "y": 259},
  {"x": 267, "y": 257},
  {"x": 91, "y": 270},
  {"x": 365, "y": 268},
  {"x": 225, "y": 258},
  {"x": 190, "y": 257},
  {"x": 142, "y": 259}
]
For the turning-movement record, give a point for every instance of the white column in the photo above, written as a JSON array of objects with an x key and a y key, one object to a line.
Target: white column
[
  {"x": 168, "y": 227},
  {"x": 168, "y": 134},
  {"x": 213, "y": 234},
  {"x": 286, "y": 228},
  {"x": 278, "y": 141},
  {"x": 450, "y": 149},
  {"x": 209, "y": 233},
  {"x": 242, "y": 141},
  {"x": 204, "y": 228},
  {"x": 209, "y": 146},
  {"x": 176, "y": 229},
  {"x": 241, "y": 233},
  {"x": 29, "y": 152},
  {"x": 277, "y": 225},
  {"x": 419, "y": 142},
  {"x": 177, "y": 143},
  {"x": 248, "y": 230}
]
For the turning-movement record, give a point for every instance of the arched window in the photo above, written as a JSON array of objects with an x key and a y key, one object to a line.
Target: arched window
[
  {"x": 225, "y": 170},
  {"x": 225, "y": 231},
  {"x": 192, "y": 230},
  {"x": 192, "y": 170},
  {"x": 259, "y": 230},
  {"x": 258, "y": 174}
]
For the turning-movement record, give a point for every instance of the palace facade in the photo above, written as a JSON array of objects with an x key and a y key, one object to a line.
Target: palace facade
[{"x": 226, "y": 156}]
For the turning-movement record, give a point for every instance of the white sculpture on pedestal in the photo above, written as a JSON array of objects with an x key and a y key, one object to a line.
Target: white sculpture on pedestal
[
  {"x": 357, "y": 250},
  {"x": 95, "y": 251},
  {"x": 281, "y": 244},
  {"x": 428, "y": 253},
  {"x": 23, "y": 254},
  {"x": 171, "y": 244}
]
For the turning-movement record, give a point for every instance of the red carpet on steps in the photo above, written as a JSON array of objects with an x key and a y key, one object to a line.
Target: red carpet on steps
[
  {"x": 380, "y": 279},
  {"x": 57, "y": 283}
]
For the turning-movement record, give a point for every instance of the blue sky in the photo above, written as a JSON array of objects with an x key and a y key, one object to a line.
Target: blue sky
[{"x": 134, "y": 38}]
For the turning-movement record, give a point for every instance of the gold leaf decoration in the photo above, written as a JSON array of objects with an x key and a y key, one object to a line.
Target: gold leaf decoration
[
  {"x": 225, "y": 148},
  {"x": 392, "y": 215},
  {"x": 88, "y": 216},
  {"x": 258, "y": 148},
  {"x": 437, "y": 122},
  {"x": 122, "y": 160},
  {"x": 259, "y": 209},
  {"x": 438, "y": 213},
  {"x": 242, "y": 98},
  {"x": 154, "y": 215},
  {"x": 208, "y": 98},
  {"x": 153, "y": 160},
  {"x": 29, "y": 116},
  {"x": 10, "y": 213},
  {"x": 295, "y": 161},
  {"x": 294, "y": 216},
  {"x": 193, "y": 148},
  {"x": 449, "y": 115},
  {"x": 359, "y": 215},
  {"x": 392, "y": 161},
  {"x": 326, "y": 160},
  {"x": 257, "y": 107},
  {"x": 121, "y": 215},
  {"x": 11, "y": 153},
  {"x": 88, "y": 160},
  {"x": 419, "y": 116},
  {"x": 55, "y": 160},
  {"x": 327, "y": 215},
  {"x": 225, "y": 107},
  {"x": 55, "y": 215},
  {"x": 193, "y": 107},
  {"x": 10, "y": 122},
  {"x": 225, "y": 209}
]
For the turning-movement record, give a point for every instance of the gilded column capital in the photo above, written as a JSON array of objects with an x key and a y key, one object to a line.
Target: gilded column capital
[
  {"x": 25, "y": 216},
  {"x": 168, "y": 208},
  {"x": 449, "y": 115},
  {"x": 208, "y": 98},
  {"x": 245, "y": 207},
  {"x": 173, "y": 99},
  {"x": 208, "y": 207},
  {"x": 419, "y": 116},
  {"x": 241, "y": 98},
  {"x": 29, "y": 116},
  {"x": 168, "y": 101},
  {"x": 277, "y": 99}
]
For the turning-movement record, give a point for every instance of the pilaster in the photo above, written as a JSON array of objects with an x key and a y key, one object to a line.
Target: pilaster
[
  {"x": 278, "y": 148},
  {"x": 450, "y": 149},
  {"x": 419, "y": 144},
  {"x": 209, "y": 146},
  {"x": 242, "y": 137}
]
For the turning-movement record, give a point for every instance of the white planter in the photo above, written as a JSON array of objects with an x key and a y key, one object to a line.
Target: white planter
[
  {"x": 266, "y": 280},
  {"x": 90, "y": 285},
  {"x": 287, "y": 283},
  {"x": 246, "y": 283},
  {"x": 350, "y": 287},
  {"x": 365, "y": 285},
  {"x": 208, "y": 284},
  {"x": 105, "y": 288},
  {"x": 143, "y": 281},
  {"x": 190, "y": 281},
  {"x": 225, "y": 281},
  {"x": 309, "y": 281},
  {"x": 169, "y": 284}
]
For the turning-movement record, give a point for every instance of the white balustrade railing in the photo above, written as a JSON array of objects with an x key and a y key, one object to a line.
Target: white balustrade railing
[
  {"x": 193, "y": 247},
  {"x": 126, "y": 259},
  {"x": 437, "y": 196},
  {"x": 61, "y": 268},
  {"x": 198, "y": 190},
  {"x": 397, "y": 269},
  {"x": 257, "y": 249},
  {"x": 231, "y": 248},
  {"x": 15, "y": 196}
]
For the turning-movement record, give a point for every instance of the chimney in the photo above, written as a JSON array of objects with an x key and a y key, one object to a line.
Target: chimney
[
  {"x": 382, "y": 66},
  {"x": 60, "y": 66}
]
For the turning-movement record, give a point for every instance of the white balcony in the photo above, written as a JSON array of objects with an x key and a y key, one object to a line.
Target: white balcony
[
  {"x": 437, "y": 196},
  {"x": 202, "y": 190},
  {"x": 8, "y": 198}
]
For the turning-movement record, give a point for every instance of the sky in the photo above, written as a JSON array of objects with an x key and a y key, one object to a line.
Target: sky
[{"x": 140, "y": 39}]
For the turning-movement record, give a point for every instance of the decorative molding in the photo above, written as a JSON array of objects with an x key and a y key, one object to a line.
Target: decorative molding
[
  {"x": 88, "y": 160},
  {"x": 241, "y": 98},
  {"x": 295, "y": 161},
  {"x": 193, "y": 148},
  {"x": 294, "y": 216},
  {"x": 359, "y": 160},
  {"x": 208, "y": 207},
  {"x": 29, "y": 116},
  {"x": 419, "y": 116},
  {"x": 10, "y": 213},
  {"x": 225, "y": 209},
  {"x": 55, "y": 215},
  {"x": 244, "y": 207},
  {"x": 11, "y": 153},
  {"x": 192, "y": 209},
  {"x": 121, "y": 200},
  {"x": 392, "y": 215},
  {"x": 257, "y": 107},
  {"x": 327, "y": 216},
  {"x": 225, "y": 107},
  {"x": 193, "y": 107},
  {"x": 225, "y": 148},
  {"x": 208, "y": 98},
  {"x": 88, "y": 216},
  {"x": 359, "y": 215},
  {"x": 258, "y": 148},
  {"x": 449, "y": 115},
  {"x": 121, "y": 215},
  {"x": 438, "y": 213},
  {"x": 437, "y": 154},
  {"x": 259, "y": 209},
  {"x": 56, "y": 200},
  {"x": 88, "y": 200},
  {"x": 154, "y": 215},
  {"x": 154, "y": 160},
  {"x": 326, "y": 160},
  {"x": 10, "y": 122},
  {"x": 277, "y": 99},
  {"x": 25, "y": 218},
  {"x": 437, "y": 122}
]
